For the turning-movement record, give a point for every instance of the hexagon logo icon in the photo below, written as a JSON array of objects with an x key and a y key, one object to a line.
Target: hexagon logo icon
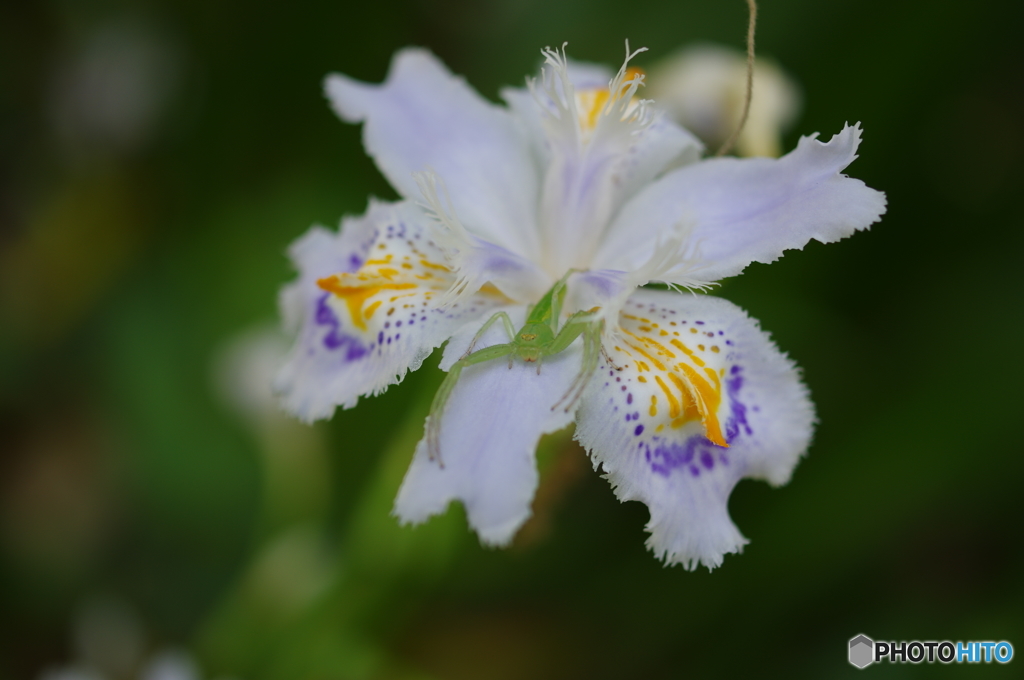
[{"x": 862, "y": 651}]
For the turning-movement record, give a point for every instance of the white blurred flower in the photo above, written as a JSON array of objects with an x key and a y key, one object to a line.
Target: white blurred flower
[
  {"x": 110, "y": 643},
  {"x": 170, "y": 664},
  {"x": 242, "y": 372},
  {"x": 110, "y": 90},
  {"x": 703, "y": 88},
  {"x": 296, "y": 474},
  {"x": 109, "y": 636}
]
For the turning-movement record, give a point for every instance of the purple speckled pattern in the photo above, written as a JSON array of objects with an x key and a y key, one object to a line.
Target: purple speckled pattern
[
  {"x": 397, "y": 240},
  {"x": 398, "y": 321},
  {"x": 371, "y": 309},
  {"x": 334, "y": 339},
  {"x": 356, "y": 258},
  {"x": 667, "y": 337},
  {"x": 665, "y": 455},
  {"x": 738, "y": 410}
]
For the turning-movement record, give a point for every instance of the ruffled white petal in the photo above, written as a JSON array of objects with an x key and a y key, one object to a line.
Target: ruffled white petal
[
  {"x": 367, "y": 308},
  {"x": 585, "y": 74},
  {"x": 424, "y": 118},
  {"x": 475, "y": 261},
  {"x": 661, "y": 146},
  {"x": 688, "y": 371},
  {"x": 748, "y": 210},
  {"x": 585, "y": 188},
  {"x": 488, "y": 439},
  {"x": 516, "y": 277},
  {"x": 523, "y": 103},
  {"x": 600, "y": 146},
  {"x": 604, "y": 289}
]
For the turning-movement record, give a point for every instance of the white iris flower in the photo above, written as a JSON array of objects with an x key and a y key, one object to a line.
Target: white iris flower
[{"x": 501, "y": 202}]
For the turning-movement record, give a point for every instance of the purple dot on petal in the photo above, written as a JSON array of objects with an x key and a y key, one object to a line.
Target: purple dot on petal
[
  {"x": 639, "y": 430},
  {"x": 629, "y": 398}
]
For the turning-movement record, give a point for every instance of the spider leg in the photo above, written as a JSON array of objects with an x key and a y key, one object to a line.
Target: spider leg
[{"x": 433, "y": 426}]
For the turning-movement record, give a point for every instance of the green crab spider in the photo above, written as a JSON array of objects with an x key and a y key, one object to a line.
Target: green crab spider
[{"x": 538, "y": 338}]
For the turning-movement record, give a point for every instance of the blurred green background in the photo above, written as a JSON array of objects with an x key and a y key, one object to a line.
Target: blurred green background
[{"x": 141, "y": 250}]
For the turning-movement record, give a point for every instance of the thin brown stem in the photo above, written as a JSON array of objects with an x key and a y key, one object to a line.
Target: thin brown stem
[{"x": 751, "y": 26}]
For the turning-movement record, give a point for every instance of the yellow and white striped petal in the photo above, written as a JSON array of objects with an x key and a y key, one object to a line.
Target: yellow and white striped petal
[
  {"x": 368, "y": 300},
  {"x": 691, "y": 398}
]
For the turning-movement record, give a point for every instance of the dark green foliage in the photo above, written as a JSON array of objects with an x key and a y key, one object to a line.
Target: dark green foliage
[{"x": 124, "y": 273}]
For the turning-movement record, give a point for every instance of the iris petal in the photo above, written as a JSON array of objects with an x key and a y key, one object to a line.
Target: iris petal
[
  {"x": 748, "y": 210},
  {"x": 692, "y": 398},
  {"x": 367, "y": 307},
  {"x": 488, "y": 439},
  {"x": 424, "y": 118}
]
